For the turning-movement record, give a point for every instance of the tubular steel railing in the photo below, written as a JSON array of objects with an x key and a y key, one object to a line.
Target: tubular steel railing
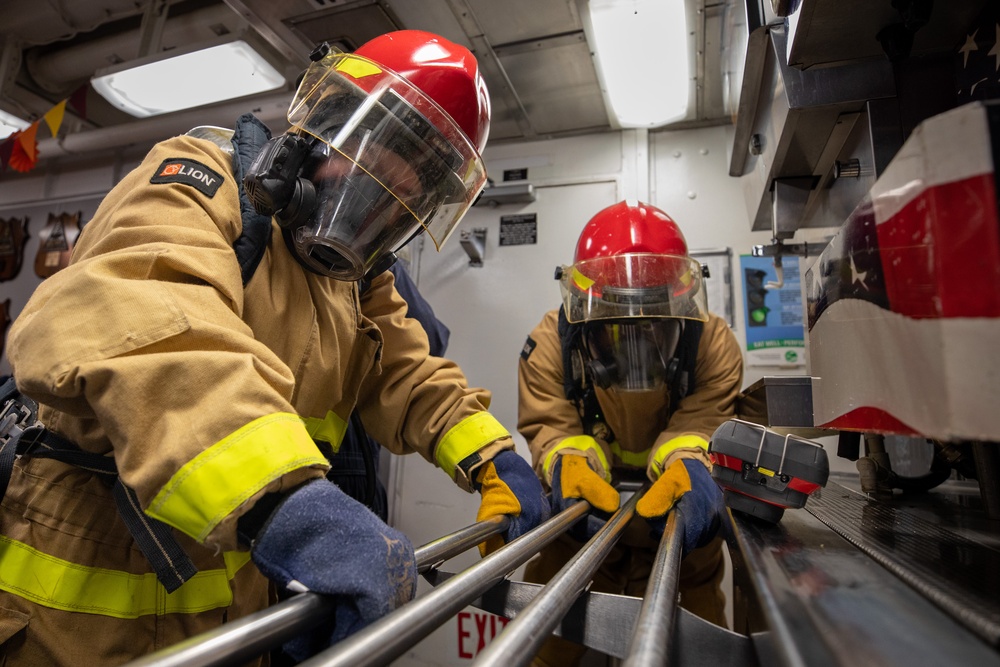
[
  {"x": 653, "y": 619},
  {"x": 243, "y": 639},
  {"x": 391, "y": 635},
  {"x": 652, "y": 640},
  {"x": 522, "y": 638}
]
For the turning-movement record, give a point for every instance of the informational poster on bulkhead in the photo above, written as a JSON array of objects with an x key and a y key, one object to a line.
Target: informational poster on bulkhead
[{"x": 772, "y": 304}]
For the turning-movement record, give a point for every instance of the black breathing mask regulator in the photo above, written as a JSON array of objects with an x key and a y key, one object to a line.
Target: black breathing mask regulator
[
  {"x": 273, "y": 184},
  {"x": 272, "y": 181}
]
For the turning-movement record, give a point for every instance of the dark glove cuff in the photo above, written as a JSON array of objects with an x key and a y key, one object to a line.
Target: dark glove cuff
[
  {"x": 468, "y": 467},
  {"x": 250, "y": 525}
]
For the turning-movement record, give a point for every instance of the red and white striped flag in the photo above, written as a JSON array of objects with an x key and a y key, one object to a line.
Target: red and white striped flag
[{"x": 904, "y": 304}]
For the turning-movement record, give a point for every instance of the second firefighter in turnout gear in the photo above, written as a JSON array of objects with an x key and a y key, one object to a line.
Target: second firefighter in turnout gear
[
  {"x": 627, "y": 381},
  {"x": 226, "y": 310}
]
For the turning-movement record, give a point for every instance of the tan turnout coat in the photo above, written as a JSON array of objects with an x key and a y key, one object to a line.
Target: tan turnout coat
[
  {"x": 148, "y": 348},
  {"x": 638, "y": 420}
]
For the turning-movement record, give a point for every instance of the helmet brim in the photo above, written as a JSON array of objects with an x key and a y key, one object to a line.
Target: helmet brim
[{"x": 634, "y": 285}]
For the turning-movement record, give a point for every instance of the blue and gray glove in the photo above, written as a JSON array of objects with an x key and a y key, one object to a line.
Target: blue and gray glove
[
  {"x": 509, "y": 486},
  {"x": 688, "y": 485},
  {"x": 573, "y": 480},
  {"x": 320, "y": 539}
]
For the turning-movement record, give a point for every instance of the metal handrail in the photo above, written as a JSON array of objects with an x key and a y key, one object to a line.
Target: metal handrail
[
  {"x": 653, "y": 638},
  {"x": 523, "y": 636},
  {"x": 432, "y": 554},
  {"x": 251, "y": 636},
  {"x": 652, "y": 642},
  {"x": 390, "y": 636}
]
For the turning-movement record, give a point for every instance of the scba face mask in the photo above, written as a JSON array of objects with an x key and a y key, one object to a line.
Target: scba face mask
[
  {"x": 631, "y": 355},
  {"x": 355, "y": 223}
]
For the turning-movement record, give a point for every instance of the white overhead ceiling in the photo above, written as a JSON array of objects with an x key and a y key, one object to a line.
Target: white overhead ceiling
[{"x": 533, "y": 54}]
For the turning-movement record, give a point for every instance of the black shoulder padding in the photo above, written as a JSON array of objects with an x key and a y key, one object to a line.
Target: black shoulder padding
[{"x": 248, "y": 140}]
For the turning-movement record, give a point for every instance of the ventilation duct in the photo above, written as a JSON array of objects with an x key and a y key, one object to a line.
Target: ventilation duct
[{"x": 507, "y": 193}]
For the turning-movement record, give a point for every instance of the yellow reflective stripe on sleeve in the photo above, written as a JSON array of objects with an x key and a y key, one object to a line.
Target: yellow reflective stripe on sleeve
[
  {"x": 59, "y": 584},
  {"x": 637, "y": 459},
  {"x": 670, "y": 446},
  {"x": 217, "y": 481},
  {"x": 331, "y": 429},
  {"x": 584, "y": 443},
  {"x": 466, "y": 438},
  {"x": 234, "y": 561}
]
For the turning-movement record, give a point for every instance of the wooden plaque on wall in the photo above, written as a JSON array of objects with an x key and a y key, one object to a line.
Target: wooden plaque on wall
[
  {"x": 56, "y": 243},
  {"x": 13, "y": 237}
]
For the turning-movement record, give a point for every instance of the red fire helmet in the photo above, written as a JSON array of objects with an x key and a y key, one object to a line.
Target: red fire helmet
[
  {"x": 446, "y": 72},
  {"x": 630, "y": 228},
  {"x": 632, "y": 262},
  {"x": 403, "y": 121}
]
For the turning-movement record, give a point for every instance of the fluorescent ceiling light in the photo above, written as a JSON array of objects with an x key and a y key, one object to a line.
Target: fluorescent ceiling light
[
  {"x": 640, "y": 49},
  {"x": 9, "y": 124},
  {"x": 171, "y": 81}
]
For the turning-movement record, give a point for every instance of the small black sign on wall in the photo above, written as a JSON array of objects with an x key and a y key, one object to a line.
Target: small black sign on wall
[
  {"x": 519, "y": 229},
  {"x": 520, "y": 174}
]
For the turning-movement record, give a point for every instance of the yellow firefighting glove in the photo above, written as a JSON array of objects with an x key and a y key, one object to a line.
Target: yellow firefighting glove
[
  {"x": 573, "y": 480},
  {"x": 509, "y": 486},
  {"x": 686, "y": 484}
]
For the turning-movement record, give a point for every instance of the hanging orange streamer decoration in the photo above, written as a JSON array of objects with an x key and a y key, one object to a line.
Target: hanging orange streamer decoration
[
  {"x": 24, "y": 156},
  {"x": 19, "y": 151}
]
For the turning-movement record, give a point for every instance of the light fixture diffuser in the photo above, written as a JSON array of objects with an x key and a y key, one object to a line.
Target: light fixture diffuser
[
  {"x": 640, "y": 50},
  {"x": 197, "y": 76},
  {"x": 9, "y": 124}
]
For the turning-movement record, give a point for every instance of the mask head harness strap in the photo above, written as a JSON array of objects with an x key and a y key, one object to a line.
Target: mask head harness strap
[
  {"x": 272, "y": 180},
  {"x": 577, "y": 382}
]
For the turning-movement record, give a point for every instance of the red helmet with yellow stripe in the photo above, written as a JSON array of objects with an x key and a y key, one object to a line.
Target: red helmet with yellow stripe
[
  {"x": 446, "y": 72},
  {"x": 630, "y": 287},
  {"x": 632, "y": 261},
  {"x": 384, "y": 144}
]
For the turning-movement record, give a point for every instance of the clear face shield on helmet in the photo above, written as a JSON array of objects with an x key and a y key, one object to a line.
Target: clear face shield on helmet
[
  {"x": 631, "y": 308},
  {"x": 388, "y": 164}
]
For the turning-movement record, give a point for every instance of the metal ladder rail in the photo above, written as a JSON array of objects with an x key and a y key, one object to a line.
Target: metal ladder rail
[
  {"x": 522, "y": 637},
  {"x": 253, "y": 635},
  {"x": 390, "y": 636}
]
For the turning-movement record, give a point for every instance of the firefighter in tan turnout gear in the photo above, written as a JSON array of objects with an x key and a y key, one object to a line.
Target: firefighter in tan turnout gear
[
  {"x": 627, "y": 381},
  {"x": 226, "y": 310}
]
